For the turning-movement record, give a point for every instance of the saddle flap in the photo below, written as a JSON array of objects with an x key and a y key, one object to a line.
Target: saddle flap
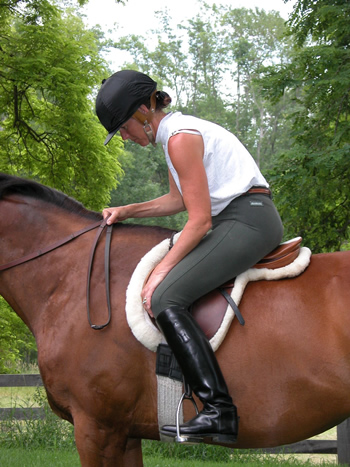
[{"x": 209, "y": 312}]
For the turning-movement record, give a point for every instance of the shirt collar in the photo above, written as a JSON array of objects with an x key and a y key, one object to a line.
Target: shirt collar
[{"x": 161, "y": 132}]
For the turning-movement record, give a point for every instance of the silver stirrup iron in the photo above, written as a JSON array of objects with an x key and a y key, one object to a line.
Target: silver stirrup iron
[{"x": 187, "y": 395}]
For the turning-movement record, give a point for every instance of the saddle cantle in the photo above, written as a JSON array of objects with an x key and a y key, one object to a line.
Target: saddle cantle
[
  {"x": 209, "y": 310},
  {"x": 281, "y": 256}
]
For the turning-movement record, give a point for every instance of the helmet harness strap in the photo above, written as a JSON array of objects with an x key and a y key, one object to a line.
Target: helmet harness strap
[{"x": 146, "y": 119}]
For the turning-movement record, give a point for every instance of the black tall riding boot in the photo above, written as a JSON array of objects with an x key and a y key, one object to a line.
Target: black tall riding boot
[{"x": 218, "y": 420}]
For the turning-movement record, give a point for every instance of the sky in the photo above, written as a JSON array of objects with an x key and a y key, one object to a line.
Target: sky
[{"x": 138, "y": 16}]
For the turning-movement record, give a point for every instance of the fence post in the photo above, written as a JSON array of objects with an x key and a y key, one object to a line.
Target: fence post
[{"x": 343, "y": 438}]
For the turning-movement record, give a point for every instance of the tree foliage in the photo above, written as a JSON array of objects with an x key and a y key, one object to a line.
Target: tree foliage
[
  {"x": 50, "y": 67},
  {"x": 313, "y": 178},
  {"x": 212, "y": 64}
]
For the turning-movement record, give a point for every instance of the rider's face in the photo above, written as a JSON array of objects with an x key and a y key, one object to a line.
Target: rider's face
[{"x": 133, "y": 130}]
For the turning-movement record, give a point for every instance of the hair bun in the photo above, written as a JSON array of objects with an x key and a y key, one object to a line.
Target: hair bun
[{"x": 163, "y": 99}]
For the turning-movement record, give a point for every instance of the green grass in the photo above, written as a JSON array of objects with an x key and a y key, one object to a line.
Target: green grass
[
  {"x": 38, "y": 458},
  {"x": 17, "y": 397},
  {"x": 19, "y": 457}
]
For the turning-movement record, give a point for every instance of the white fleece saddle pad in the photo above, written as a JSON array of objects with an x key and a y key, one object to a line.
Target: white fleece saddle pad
[{"x": 139, "y": 320}]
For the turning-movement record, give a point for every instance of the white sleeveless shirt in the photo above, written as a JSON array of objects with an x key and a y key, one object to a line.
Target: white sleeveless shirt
[{"x": 230, "y": 169}]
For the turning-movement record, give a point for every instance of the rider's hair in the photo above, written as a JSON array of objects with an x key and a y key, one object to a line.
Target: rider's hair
[{"x": 162, "y": 100}]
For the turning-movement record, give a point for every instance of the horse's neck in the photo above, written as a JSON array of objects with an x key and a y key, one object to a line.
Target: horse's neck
[
  {"x": 29, "y": 223},
  {"x": 30, "y": 288}
]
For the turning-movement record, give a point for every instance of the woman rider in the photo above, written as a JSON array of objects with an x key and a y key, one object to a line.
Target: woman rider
[{"x": 232, "y": 224}]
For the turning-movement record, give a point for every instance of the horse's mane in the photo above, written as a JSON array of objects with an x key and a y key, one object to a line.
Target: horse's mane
[{"x": 10, "y": 185}]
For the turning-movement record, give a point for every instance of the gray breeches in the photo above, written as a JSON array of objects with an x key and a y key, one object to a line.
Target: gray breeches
[{"x": 242, "y": 234}]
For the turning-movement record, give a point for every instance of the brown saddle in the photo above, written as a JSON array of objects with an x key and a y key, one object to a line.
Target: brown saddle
[{"x": 209, "y": 310}]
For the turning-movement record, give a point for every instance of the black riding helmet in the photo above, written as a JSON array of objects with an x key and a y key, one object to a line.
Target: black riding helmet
[{"x": 119, "y": 98}]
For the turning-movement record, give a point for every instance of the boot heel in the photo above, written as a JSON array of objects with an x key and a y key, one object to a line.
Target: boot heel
[{"x": 226, "y": 439}]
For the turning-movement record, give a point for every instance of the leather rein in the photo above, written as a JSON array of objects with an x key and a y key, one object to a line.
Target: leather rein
[{"x": 101, "y": 225}]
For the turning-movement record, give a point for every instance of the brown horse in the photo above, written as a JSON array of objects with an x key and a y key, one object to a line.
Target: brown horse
[{"x": 288, "y": 369}]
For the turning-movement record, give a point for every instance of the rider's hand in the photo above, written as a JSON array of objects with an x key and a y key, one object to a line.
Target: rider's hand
[
  {"x": 154, "y": 280},
  {"x": 115, "y": 214}
]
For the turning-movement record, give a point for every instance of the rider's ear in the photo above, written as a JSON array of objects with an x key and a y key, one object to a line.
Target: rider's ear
[{"x": 143, "y": 109}]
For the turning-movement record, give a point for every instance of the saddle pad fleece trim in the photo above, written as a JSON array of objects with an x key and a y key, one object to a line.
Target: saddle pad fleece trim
[{"x": 139, "y": 320}]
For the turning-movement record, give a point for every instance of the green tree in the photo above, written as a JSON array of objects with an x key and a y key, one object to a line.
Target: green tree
[
  {"x": 207, "y": 59},
  {"x": 169, "y": 59},
  {"x": 255, "y": 39},
  {"x": 313, "y": 178},
  {"x": 166, "y": 62},
  {"x": 50, "y": 68}
]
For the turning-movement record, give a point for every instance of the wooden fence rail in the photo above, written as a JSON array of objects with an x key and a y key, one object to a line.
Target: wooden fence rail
[
  {"x": 21, "y": 413},
  {"x": 341, "y": 446}
]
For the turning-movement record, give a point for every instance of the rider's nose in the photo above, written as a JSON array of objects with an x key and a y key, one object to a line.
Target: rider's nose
[{"x": 123, "y": 134}]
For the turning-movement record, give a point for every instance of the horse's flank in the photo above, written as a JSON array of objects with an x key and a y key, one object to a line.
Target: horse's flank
[{"x": 288, "y": 368}]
